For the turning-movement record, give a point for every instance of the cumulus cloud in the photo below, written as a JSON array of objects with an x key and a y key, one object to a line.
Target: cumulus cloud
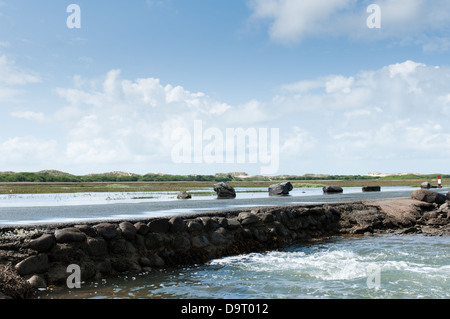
[
  {"x": 119, "y": 120},
  {"x": 397, "y": 112},
  {"x": 383, "y": 113},
  {"x": 13, "y": 78},
  {"x": 292, "y": 21},
  {"x": 20, "y": 150}
]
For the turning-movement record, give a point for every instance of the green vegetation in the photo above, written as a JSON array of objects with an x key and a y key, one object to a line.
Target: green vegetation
[
  {"x": 68, "y": 178},
  {"x": 60, "y": 182},
  {"x": 307, "y": 185},
  {"x": 413, "y": 176}
]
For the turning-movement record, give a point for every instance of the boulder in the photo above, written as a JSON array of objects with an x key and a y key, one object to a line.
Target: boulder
[
  {"x": 68, "y": 235},
  {"x": 217, "y": 238},
  {"x": 194, "y": 226},
  {"x": 425, "y": 185},
  {"x": 141, "y": 228},
  {"x": 246, "y": 218},
  {"x": 128, "y": 230},
  {"x": 428, "y": 196},
  {"x": 33, "y": 265},
  {"x": 332, "y": 189},
  {"x": 209, "y": 224},
  {"x": 156, "y": 261},
  {"x": 97, "y": 247},
  {"x": 106, "y": 230},
  {"x": 88, "y": 230},
  {"x": 43, "y": 243},
  {"x": 37, "y": 282},
  {"x": 199, "y": 241},
  {"x": 224, "y": 190},
  {"x": 233, "y": 223},
  {"x": 448, "y": 196},
  {"x": 177, "y": 224},
  {"x": 158, "y": 226},
  {"x": 371, "y": 189},
  {"x": 121, "y": 246},
  {"x": 281, "y": 189},
  {"x": 184, "y": 195}
]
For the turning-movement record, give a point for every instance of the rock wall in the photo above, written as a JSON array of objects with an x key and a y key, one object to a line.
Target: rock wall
[{"x": 41, "y": 255}]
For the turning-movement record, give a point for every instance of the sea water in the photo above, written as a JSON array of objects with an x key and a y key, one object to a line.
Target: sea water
[{"x": 384, "y": 266}]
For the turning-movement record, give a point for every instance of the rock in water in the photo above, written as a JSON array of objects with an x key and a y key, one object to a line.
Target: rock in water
[
  {"x": 224, "y": 190},
  {"x": 371, "y": 189},
  {"x": 281, "y": 189},
  {"x": 184, "y": 195},
  {"x": 425, "y": 185},
  {"x": 332, "y": 189}
]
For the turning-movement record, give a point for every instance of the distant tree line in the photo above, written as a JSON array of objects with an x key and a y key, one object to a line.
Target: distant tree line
[{"x": 46, "y": 177}]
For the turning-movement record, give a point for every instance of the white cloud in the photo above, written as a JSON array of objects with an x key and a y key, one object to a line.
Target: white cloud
[
  {"x": 404, "y": 69},
  {"x": 298, "y": 143},
  {"x": 12, "y": 75},
  {"x": 397, "y": 112},
  {"x": 119, "y": 120},
  {"x": 29, "y": 115},
  {"x": 22, "y": 150},
  {"x": 339, "y": 84},
  {"x": 291, "y": 21},
  {"x": 13, "y": 78},
  {"x": 412, "y": 21}
]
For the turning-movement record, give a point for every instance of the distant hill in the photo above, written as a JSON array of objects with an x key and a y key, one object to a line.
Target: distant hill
[
  {"x": 119, "y": 176},
  {"x": 54, "y": 172},
  {"x": 115, "y": 173}
]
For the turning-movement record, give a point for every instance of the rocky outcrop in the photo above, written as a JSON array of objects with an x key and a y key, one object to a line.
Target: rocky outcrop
[
  {"x": 110, "y": 248},
  {"x": 428, "y": 196},
  {"x": 281, "y": 189},
  {"x": 224, "y": 191},
  {"x": 332, "y": 189}
]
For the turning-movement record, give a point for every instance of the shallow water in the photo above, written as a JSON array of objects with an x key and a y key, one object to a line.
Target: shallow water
[
  {"x": 103, "y": 198},
  {"x": 405, "y": 267},
  {"x": 36, "y": 209}
]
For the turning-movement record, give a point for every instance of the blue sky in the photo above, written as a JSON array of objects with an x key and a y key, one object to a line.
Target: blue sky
[{"x": 345, "y": 99}]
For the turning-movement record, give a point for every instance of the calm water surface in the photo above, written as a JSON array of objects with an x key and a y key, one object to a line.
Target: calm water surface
[{"x": 407, "y": 267}]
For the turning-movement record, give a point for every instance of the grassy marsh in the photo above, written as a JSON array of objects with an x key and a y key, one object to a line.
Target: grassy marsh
[{"x": 206, "y": 187}]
